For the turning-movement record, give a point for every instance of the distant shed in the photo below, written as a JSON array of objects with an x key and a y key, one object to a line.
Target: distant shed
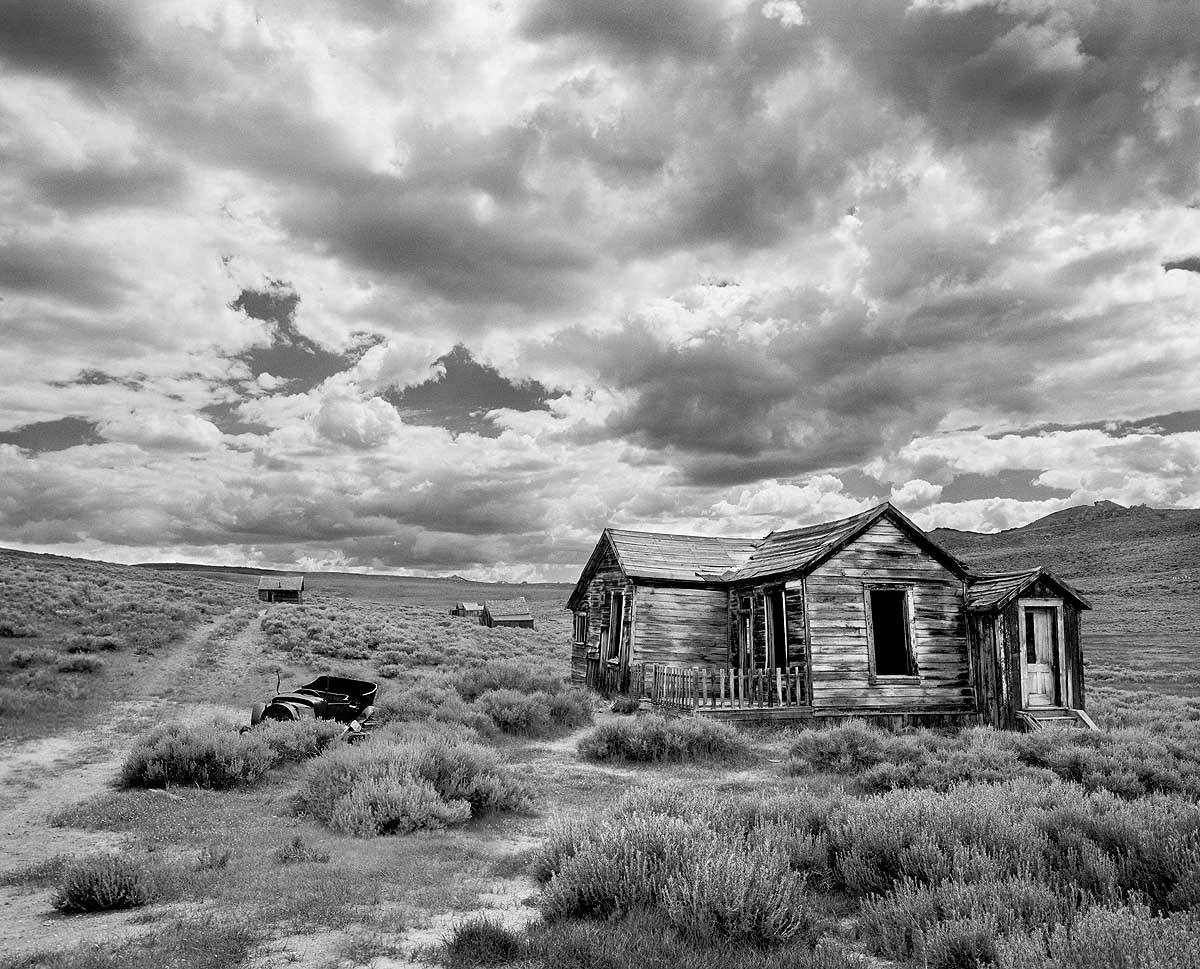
[
  {"x": 470, "y": 609},
  {"x": 507, "y": 612},
  {"x": 281, "y": 588}
]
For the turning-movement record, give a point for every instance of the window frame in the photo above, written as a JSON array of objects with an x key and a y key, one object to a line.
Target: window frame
[
  {"x": 873, "y": 676},
  {"x": 581, "y": 623}
]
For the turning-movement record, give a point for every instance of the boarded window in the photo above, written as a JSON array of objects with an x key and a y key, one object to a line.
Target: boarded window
[
  {"x": 581, "y": 627},
  {"x": 889, "y": 632}
]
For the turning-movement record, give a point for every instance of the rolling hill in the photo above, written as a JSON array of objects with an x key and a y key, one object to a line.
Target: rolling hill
[{"x": 1139, "y": 567}]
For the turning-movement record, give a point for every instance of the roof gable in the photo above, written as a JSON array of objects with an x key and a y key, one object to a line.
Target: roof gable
[
  {"x": 991, "y": 591},
  {"x": 797, "y": 551},
  {"x": 516, "y": 608},
  {"x": 708, "y": 559},
  {"x": 281, "y": 583}
]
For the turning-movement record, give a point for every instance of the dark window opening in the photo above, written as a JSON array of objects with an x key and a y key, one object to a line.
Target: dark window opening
[
  {"x": 889, "y": 633},
  {"x": 777, "y": 655},
  {"x": 616, "y": 624},
  {"x": 581, "y": 627},
  {"x": 1030, "y": 638}
]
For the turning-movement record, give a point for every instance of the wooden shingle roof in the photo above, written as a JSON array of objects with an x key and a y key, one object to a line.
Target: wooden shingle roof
[
  {"x": 987, "y": 592},
  {"x": 516, "y": 608},
  {"x": 682, "y": 558},
  {"x": 281, "y": 583},
  {"x": 797, "y": 551}
]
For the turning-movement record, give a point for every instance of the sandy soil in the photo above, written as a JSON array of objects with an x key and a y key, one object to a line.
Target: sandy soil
[{"x": 40, "y": 778}]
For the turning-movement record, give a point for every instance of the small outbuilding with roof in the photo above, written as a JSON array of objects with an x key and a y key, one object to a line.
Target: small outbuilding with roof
[
  {"x": 507, "y": 612},
  {"x": 281, "y": 588}
]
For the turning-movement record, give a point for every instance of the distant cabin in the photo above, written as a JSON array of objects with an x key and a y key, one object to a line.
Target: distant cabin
[
  {"x": 470, "y": 609},
  {"x": 507, "y": 612},
  {"x": 281, "y": 588},
  {"x": 861, "y": 617}
]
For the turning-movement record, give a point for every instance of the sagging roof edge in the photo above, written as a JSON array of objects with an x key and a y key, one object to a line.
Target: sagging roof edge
[
  {"x": 1026, "y": 578},
  {"x": 887, "y": 509}
]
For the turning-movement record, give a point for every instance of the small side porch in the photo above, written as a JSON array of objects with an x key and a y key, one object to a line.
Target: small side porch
[{"x": 715, "y": 692}]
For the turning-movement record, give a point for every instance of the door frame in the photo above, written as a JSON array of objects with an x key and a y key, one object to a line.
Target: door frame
[{"x": 1060, "y": 653}]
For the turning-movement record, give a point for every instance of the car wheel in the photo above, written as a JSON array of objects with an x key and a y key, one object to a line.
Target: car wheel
[{"x": 256, "y": 714}]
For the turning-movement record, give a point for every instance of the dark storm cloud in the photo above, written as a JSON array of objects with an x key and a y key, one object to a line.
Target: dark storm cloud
[
  {"x": 1189, "y": 264},
  {"x": 1093, "y": 75},
  {"x": 57, "y": 435},
  {"x": 227, "y": 417},
  {"x": 291, "y": 355},
  {"x": 630, "y": 27},
  {"x": 99, "y": 185},
  {"x": 61, "y": 269},
  {"x": 89, "y": 377},
  {"x": 835, "y": 385},
  {"x": 1177, "y": 422},
  {"x": 437, "y": 239},
  {"x": 461, "y": 396},
  {"x": 1016, "y": 483},
  {"x": 87, "y": 42}
]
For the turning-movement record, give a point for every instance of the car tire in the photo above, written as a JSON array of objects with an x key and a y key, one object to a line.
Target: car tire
[{"x": 256, "y": 714}]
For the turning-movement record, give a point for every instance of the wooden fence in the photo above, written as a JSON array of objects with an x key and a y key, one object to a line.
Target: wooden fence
[{"x": 708, "y": 688}]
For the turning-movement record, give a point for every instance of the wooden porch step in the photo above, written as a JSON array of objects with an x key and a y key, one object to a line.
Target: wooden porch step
[{"x": 1039, "y": 718}]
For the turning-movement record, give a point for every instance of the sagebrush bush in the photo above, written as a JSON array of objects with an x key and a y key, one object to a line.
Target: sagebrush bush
[
  {"x": 481, "y": 941},
  {"x": 198, "y": 756},
  {"x": 396, "y": 783},
  {"x": 292, "y": 742},
  {"x": 521, "y": 675},
  {"x": 652, "y": 738},
  {"x": 1129, "y": 763},
  {"x": 536, "y": 714},
  {"x": 433, "y": 699},
  {"x": 81, "y": 664},
  {"x": 105, "y": 881},
  {"x": 643, "y": 940},
  {"x": 746, "y": 893}
]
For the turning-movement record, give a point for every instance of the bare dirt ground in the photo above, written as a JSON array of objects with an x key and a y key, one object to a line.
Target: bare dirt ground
[
  {"x": 39, "y": 778},
  {"x": 431, "y": 881}
]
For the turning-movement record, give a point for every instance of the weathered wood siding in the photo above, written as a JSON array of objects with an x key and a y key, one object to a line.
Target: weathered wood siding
[
  {"x": 681, "y": 626},
  {"x": 990, "y": 667},
  {"x": 837, "y": 624},
  {"x": 607, "y": 578}
]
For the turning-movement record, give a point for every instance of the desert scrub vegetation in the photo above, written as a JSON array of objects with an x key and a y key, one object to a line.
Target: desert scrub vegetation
[
  {"x": 59, "y": 614},
  {"x": 398, "y": 638},
  {"x": 1004, "y": 874},
  {"x": 517, "y": 697},
  {"x": 101, "y": 882},
  {"x": 217, "y": 756},
  {"x": 1130, "y": 762},
  {"x": 657, "y": 739},
  {"x": 199, "y": 942},
  {"x": 408, "y": 779}
]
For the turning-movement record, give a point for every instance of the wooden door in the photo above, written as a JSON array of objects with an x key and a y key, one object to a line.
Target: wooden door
[{"x": 1041, "y": 656}]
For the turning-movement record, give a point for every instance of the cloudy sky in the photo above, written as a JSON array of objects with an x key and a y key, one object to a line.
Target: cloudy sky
[{"x": 448, "y": 286}]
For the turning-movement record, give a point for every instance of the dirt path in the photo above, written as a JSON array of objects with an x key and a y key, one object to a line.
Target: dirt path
[{"x": 41, "y": 777}]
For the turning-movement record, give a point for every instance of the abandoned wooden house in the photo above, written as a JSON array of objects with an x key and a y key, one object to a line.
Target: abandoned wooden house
[
  {"x": 863, "y": 617},
  {"x": 281, "y": 588},
  {"x": 507, "y": 612},
  {"x": 473, "y": 610}
]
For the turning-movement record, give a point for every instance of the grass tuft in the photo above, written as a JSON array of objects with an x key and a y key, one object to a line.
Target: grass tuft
[{"x": 106, "y": 881}]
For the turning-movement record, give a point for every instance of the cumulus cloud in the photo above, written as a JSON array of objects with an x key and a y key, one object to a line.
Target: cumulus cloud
[{"x": 724, "y": 268}]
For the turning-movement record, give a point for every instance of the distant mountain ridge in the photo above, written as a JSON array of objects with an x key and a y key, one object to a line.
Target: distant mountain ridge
[{"x": 1139, "y": 566}]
